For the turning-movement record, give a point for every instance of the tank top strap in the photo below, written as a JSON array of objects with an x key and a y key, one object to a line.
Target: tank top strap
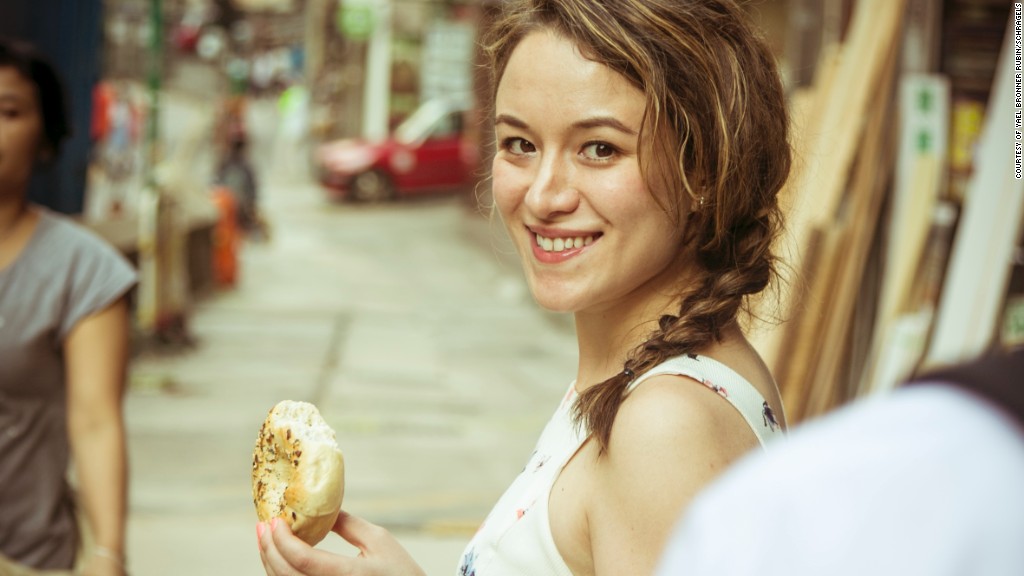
[{"x": 725, "y": 382}]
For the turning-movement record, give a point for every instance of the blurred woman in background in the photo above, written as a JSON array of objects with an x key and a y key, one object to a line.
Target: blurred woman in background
[{"x": 63, "y": 350}]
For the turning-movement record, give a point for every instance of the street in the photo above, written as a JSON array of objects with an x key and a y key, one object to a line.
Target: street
[{"x": 408, "y": 324}]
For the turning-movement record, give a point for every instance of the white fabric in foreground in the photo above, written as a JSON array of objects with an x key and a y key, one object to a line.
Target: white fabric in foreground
[{"x": 928, "y": 480}]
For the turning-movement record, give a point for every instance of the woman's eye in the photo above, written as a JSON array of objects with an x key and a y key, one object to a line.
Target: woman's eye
[
  {"x": 598, "y": 151},
  {"x": 517, "y": 145}
]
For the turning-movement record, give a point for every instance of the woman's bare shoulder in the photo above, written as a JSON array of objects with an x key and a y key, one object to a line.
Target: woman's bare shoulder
[
  {"x": 671, "y": 437},
  {"x": 676, "y": 413}
]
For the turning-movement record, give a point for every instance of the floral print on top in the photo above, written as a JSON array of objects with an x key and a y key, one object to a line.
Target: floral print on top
[{"x": 515, "y": 539}]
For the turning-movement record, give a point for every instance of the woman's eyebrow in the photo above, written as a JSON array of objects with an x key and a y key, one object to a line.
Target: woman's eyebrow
[
  {"x": 13, "y": 98},
  {"x": 604, "y": 122},
  {"x": 510, "y": 120},
  {"x": 585, "y": 124}
]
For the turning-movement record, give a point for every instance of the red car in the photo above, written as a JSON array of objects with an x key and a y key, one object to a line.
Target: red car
[{"x": 428, "y": 152}]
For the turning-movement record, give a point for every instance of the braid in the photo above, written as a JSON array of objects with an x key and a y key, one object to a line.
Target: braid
[{"x": 734, "y": 266}]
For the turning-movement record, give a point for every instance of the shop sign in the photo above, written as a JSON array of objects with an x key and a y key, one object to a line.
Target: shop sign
[{"x": 356, "y": 19}]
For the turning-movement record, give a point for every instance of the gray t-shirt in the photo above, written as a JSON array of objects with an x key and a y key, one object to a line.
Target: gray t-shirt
[{"x": 64, "y": 274}]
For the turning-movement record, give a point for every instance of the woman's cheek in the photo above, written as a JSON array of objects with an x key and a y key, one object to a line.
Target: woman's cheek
[{"x": 509, "y": 186}]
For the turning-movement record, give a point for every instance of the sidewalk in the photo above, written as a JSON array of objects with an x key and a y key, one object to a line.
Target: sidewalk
[{"x": 421, "y": 347}]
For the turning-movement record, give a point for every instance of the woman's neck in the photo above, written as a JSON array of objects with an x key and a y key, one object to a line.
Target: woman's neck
[
  {"x": 606, "y": 337},
  {"x": 12, "y": 214}
]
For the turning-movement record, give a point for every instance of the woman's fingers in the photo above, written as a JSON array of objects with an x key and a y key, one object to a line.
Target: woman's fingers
[
  {"x": 267, "y": 549},
  {"x": 380, "y": 551},
  {"x": 285, "y": 554},
  {"x": 355, "y": 530}
]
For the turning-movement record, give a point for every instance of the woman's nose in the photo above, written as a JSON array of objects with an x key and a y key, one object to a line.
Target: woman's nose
[{"x": 552, "y": 191}]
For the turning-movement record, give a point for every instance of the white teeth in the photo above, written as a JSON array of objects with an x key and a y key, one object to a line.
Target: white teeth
[{"x": 560, "y": 244}]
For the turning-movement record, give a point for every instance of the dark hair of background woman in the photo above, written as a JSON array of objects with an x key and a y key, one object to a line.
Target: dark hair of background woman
[{"x": 35, "y": 67}]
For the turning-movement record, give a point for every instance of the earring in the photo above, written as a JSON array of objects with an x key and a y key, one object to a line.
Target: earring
[{"x": 699, "y": 201}]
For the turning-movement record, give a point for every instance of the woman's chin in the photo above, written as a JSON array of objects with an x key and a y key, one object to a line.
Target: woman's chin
[{"x": 553, "y": 302}]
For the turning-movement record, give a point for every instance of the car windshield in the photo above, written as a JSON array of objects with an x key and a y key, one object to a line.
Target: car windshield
[{"x": 421, "y": 123}]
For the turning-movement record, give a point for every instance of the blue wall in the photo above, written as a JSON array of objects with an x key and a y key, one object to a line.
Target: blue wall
[{"x": 69, "y": 33}]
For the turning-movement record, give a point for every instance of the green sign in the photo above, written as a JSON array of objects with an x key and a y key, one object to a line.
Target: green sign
[
  {"x": 1013, "y": 322},
  {"x": 355, "y": 20}
]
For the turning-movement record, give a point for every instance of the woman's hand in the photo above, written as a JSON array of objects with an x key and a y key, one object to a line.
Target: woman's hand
[{"x": 284, "y": 554}]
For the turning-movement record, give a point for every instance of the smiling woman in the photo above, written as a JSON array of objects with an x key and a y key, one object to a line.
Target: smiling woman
[
  {"x": 640, "y": 149},
  {"x": 636, "y": 170}
]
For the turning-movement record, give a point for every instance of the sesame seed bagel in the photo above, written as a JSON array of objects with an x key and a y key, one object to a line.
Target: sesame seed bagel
[{"x": 298, "y": 473}]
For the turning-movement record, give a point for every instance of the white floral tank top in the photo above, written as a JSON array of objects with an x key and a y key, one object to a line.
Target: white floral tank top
[{"x": 516, "y": 540}]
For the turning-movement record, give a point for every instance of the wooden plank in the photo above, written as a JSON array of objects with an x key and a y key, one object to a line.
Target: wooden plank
[
  {"x": 820, "y": 241},
  {"x": 902, "y": 325},
  {"x": 867, "y": 191},
  {"x": 980, "y": 261},
  {"x": 852, "y": 234},
  {"x": 832, "y": 146},
  {"x": 799, "y": 354},
  {"x": 826, "y": 146}
]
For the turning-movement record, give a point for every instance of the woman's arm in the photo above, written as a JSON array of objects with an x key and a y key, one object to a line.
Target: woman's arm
[
  {"x": 671, "y": 437},
  {"x": 96, "y": 353}
]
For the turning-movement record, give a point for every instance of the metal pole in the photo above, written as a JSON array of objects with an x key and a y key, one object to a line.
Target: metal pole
[
  {"x": 154, "y": 72},
  {"x": 377, "y": 90},
  {"x": 149, "y": 291}
]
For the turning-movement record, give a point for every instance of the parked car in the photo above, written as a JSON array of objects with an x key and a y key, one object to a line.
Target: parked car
[{"x": 428, "y": 152}]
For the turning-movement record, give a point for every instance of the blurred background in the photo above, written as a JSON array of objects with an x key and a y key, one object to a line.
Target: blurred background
[{"x": 303, "y": 187}]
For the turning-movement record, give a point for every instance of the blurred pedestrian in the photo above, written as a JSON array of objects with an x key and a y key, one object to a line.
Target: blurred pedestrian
[
  {"x": 925, "y": 481},
  {"x": 236, "y": 173},
  {"x": 114, "y": 133},
  {"x": 641, "y": 146},
  {"x": 120, "y": 147},
  {"x": 63, "y": 350}
]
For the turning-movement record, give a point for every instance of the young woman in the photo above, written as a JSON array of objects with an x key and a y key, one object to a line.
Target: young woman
[
  {"x": 640, "y": 148},
  {"x": 63, "y": 349}
]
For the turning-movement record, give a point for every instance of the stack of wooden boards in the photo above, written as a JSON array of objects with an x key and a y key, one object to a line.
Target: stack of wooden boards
[{"x": 853, "y": 294}]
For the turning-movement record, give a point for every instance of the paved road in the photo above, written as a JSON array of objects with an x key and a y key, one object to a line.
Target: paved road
[{"x": 411, "y": 330}]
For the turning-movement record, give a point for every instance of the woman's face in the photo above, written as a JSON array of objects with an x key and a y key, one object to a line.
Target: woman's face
[
  {"x": 567, "y": 181},
  {"x": 21, "y": 131}
]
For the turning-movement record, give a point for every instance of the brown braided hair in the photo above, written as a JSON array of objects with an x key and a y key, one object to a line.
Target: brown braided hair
[{"x": 715, "y": 133}]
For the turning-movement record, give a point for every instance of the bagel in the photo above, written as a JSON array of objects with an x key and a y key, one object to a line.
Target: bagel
[{"x": 298, "y": 472}]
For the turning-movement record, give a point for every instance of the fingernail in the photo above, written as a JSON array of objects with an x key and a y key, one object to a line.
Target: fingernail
[
  {"x": 273, "y": 524},
  {"x": 260, "y": 527}
]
